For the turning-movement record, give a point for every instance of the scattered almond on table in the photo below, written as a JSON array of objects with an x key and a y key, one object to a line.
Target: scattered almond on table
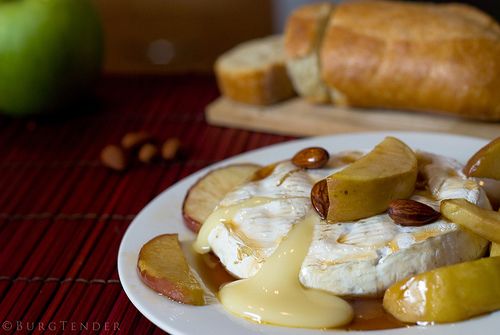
[
  {"x": 134, "y": 140},
  {"x": 170, "y": 148},
  {"x": 148, "y": 153},
  {"x": 140, "y": 145},
  {"x": 114, "y": 157}
]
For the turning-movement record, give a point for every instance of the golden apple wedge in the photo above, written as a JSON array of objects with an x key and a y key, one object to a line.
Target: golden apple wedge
[
  {"x": 484, "y": 222},
  {"x": 208, "y": 191},
  {"x": 367, "y": 186},
  {"x": 448, "y": 294},
  {"x": 486, "y": 162},
  {"x": 163, "y": 267},
  {"x": 495, "y": 248}
]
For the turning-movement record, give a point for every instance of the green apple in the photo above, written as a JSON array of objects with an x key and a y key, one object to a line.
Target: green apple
[{"x": 50, "y": 53}]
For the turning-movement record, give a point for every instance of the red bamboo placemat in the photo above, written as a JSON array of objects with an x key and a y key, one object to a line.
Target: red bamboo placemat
[{"x": 62, "y": 215}]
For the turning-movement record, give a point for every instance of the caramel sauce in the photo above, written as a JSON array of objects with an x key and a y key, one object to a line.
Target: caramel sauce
[
  {"x": 426, "y": 193},
  {"x": 421, "y": 183},
  {"x": 288, "y": 174},
  {"x": 368, "y": 313},
  {"x": 264, "y": 172},
  {"x": 212, "y": 272},
  {"x": 451, "y": 172},
  {"x": 424, "y": 235}
]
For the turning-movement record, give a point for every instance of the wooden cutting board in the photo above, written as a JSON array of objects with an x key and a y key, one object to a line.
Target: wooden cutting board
[{"x": 299, "y": 118}]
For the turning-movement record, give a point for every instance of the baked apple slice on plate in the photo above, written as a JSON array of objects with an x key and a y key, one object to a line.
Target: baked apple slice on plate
[
  {"x": 208, "y": 191},
  {"x": 485, "y": 165},
  {"x": 163, "y": 267},
  {"x": 486, "y": 162}
]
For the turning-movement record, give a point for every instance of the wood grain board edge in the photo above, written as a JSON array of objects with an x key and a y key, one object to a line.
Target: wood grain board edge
[{"x": 297, "y": 117}]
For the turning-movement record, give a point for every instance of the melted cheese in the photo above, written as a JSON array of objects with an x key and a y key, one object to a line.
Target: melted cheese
[
  {"x": 223, "y": 215},
  {"x": 274, "y": 295},
  {"x": 244, "y": 233}
]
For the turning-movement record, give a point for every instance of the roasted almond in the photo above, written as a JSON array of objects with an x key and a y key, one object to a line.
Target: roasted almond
[
  {"x": 114, "y": 157},
  {"x": 406, "y": 212},
  {"x": 311, "y": 158},
  {"x": 148, "y": 153},
  {"x": 319, "y": 198},
  {"x": 134, "y": 140},
  {"x": 170, "y": 148}
]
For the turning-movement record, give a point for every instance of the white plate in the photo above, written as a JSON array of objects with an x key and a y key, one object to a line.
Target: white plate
[{"x": 163, "y": 215}]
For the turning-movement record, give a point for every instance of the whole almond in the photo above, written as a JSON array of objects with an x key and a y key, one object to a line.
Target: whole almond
[
  {"x": 135, "y": 140},
  {"x": 114, "y": 157},
  {"x": 319, "y": 198},
  {"x": 406, "y": 212},
  {"x": 148, "y": 153},
  {"x": 170, "y": 148},
  {"x": 311, "y": 158}
]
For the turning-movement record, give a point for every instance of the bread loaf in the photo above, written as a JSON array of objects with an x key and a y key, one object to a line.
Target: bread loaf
[
  {"x": 443, "y": 58},
  {"x": 303, "y": 36},
  {"x": 255, "y": 72},
  {"x": 386, "y": 54}
]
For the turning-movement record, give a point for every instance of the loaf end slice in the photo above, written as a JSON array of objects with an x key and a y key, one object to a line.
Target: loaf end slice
[{"x": 255, "y": 72}]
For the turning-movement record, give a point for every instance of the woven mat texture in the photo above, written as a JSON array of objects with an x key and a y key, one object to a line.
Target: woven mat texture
[{"x": 62, "y": 215}]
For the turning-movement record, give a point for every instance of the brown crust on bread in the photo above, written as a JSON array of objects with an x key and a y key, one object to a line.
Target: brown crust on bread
[
  {"x": 303, "y": 37},
  {"x": 303, "y": 29},
  {"x": 443, "y": 58},
  {"x": 254, "y": 87},
  {"x": 255, "y": 72}
]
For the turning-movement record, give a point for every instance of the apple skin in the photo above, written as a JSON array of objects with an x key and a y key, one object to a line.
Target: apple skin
[{"x": 50, "y": 53}]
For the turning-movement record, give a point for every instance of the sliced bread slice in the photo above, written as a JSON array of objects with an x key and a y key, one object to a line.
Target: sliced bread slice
[
  {"x": 255, "y": 72},
  {"x": 303, "y": 35}
]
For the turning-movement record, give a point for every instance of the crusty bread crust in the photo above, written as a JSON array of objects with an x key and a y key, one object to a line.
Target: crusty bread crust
[
  {"x": 303, "y": 35},
  {"x": 443, "y": 58},
  {"x": 255, "y": 72},
  {"x": 304, "y": 29}
]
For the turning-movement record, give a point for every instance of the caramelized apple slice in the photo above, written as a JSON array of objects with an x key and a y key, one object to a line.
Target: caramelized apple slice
[
  {"x": 486, "y": 162},
  {"x": 484, "y": 222},
  {"x": 163, "y": 267},
  {"x": 447, "y": 294},
  {"x": 208, "y": 191},
  {"x": 367, "y": 186},
  {"x": 492, "y": 189}
]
